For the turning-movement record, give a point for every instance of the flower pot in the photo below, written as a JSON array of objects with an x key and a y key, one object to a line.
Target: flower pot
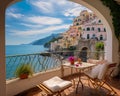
[
  {"x": 23, "y": 76},
  {"x": 72, "y": 62}
]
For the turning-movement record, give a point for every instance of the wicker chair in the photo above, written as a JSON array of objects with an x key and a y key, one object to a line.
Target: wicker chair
[{"x": 54, "y": 86}]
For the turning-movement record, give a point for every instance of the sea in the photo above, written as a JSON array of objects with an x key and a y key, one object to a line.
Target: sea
[
  {"x": 24, "y": 49},
  {"x": 12, "y": 50}
]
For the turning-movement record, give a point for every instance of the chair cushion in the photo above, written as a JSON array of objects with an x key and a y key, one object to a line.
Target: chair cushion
[
  {"x": 97, "y": 71},
  {"x": 102, "y": 71},
  {"x": 94, "y": 72},
  {"x": 57, "y": 84}
]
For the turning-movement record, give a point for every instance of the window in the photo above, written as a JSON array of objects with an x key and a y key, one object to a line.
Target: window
[
  {"x": 99, "y": 30},
  {"x": 77, "y": 23},
  {"x": 88, "y": 29},
  {"x": 93, "y": 35},
  {"x": 88, "y": 36},
  {"x": 101, "y": 37},
  {"x": 104, "y": 30},
  {"x": 79, "y": 19},
  {"x": 99, "y": 21}
]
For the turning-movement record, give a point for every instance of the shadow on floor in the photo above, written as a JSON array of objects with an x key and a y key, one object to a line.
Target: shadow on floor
[{"x": 87, "y": 91}]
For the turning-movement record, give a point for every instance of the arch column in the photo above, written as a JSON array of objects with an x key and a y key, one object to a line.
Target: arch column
[
  {"x": 2, "y": 51},
  {"x": 3, "y": 6}
]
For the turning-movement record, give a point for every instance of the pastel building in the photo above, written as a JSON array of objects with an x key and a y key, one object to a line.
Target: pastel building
[
  {"x": 71, "y": 36},
  {"x": 87, "y": 26},
  {"x": 90, "y": 25},
  {"x": 94, "y": 30},
  {"x": 85, "y": 16}
]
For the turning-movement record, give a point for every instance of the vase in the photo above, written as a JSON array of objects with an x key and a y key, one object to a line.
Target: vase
[{"x": 72, "y": 62}]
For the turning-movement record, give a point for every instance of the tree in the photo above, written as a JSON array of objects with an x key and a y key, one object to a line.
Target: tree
[{"x": 99, "y": 46}]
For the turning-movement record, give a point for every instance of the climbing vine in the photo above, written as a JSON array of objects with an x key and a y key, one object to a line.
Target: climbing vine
[{"x": 115, "y": 13}]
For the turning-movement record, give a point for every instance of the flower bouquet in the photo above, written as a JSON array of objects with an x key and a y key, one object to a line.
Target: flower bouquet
[{"x": 71, "y": 59}]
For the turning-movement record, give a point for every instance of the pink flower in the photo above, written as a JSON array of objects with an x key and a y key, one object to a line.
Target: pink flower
[{"x": 71, "y": 58}]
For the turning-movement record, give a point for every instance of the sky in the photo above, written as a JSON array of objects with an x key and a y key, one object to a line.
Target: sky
[{"x": 30, "y": 20}]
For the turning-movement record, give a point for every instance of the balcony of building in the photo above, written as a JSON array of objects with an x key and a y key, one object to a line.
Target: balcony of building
[{"x": 48, "y": 65}]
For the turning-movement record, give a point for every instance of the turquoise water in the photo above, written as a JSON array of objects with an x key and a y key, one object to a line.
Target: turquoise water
[
  {"x": 12, "y": 50},
  {"x": 24, "y": 49}
]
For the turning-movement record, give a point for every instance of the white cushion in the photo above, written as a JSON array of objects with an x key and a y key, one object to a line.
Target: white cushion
[
  {"x": 57, "y": 84},
  {"x": 97, "y": 71},
  {"x": 93, "y": 73},
  {"x": 102, "y": 71}
]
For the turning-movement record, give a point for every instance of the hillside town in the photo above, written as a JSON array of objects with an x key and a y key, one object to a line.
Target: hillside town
[{"x": 87, "y": 28}]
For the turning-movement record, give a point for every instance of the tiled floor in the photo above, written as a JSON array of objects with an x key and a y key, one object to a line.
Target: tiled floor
[{"x": 86, "y": 91}]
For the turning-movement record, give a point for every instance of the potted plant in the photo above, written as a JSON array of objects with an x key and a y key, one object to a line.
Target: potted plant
[
  {"x": 23, "y": 71},
  {"x": 71, "y": 59}
]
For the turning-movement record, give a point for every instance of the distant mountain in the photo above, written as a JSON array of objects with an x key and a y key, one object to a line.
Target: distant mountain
[{"x": 44, "y": 40}]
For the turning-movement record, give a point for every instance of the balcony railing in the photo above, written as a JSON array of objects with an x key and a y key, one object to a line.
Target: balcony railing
[{"x": 41, "y": 62}]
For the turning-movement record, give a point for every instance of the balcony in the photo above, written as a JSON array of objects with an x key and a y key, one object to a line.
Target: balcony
[
  {"x": 48, "y": 65},
  {"x": 86, "y": 91}
]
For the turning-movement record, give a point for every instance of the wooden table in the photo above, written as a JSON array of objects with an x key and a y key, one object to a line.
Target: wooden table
[{"x": 80, "y": 67}]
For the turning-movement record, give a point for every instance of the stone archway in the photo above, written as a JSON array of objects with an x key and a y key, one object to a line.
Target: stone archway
[
  {"x": 83, "y": 54},
  {"x": 86, "y": 46},
  {"x": 90, "y": 44}
]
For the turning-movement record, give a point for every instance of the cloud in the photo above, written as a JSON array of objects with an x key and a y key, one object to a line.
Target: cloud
[
  {"x": 39, "y": 31},
  {"x": 45, "y": 7},
  {"x": 43, "y": 20},
  {"x": 31, "y": 25},
  {"x": 14, "y": 15},
  {"x": 74, "y": 11},
  {"x": 63, "y": 7},
  {"x": 14, "y": 12}
]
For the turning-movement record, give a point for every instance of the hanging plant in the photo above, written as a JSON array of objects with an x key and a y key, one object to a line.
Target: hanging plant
[{"x": 115, "y": 13}]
